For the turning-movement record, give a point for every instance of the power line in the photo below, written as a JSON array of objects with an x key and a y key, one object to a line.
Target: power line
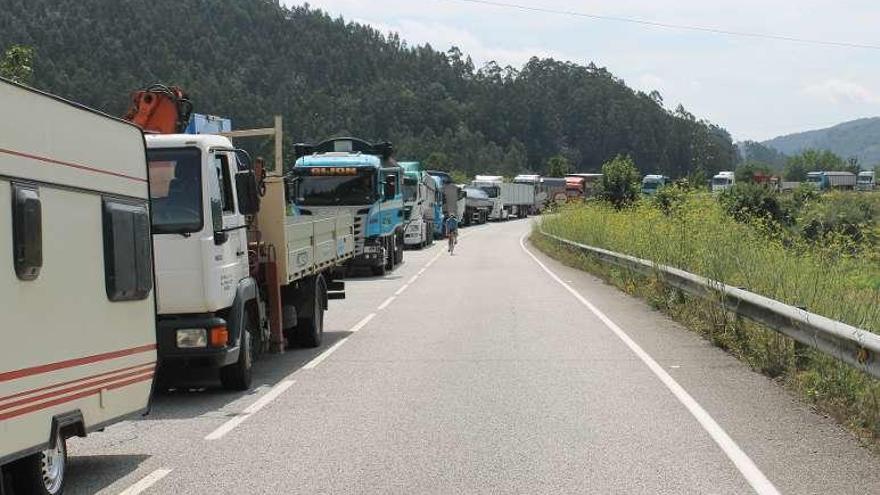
[{"x": 666, "y": 25}]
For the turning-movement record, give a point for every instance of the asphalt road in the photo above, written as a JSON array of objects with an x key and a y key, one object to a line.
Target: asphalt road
[{"x": 484, "y": 372}]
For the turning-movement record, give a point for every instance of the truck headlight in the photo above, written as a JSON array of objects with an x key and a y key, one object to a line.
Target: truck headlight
[{"x": 188, "y": 338}]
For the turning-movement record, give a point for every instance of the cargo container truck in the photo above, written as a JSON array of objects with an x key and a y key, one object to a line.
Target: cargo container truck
[
  {"x": 827, "y": 180},
  {"x": 866, "y": 180}
]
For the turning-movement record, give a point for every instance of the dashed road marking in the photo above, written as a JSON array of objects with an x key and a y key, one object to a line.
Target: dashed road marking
[
  {"x": 260, "y": 403},
  {"x": 146, "y": 482}
]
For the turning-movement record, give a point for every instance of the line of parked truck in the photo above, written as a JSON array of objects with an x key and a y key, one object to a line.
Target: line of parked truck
[
  {"x": 826, "y": 180},
  {"x": 139, "y": 250}
]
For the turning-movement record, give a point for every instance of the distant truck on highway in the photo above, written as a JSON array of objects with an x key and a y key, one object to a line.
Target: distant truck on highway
[
  {"x": 419, "y": 193},
  {"x": 453, "y": 198},
  {"x": 540, "y": 192},
  {"x": 477, "y": 206},
  {"x": 866, "y": 180},
  {"x": 653, "y": 183},
  {"x": 555, "y": 188},
  {"x": 78, "y": 323},
  {"x": 828, "y": 180},
  {"x": 581, "y": 186},
  {"x": 363, "y": 179},
  {"x": 508, "y": 199},
  {"x": 723, "y": 181}
]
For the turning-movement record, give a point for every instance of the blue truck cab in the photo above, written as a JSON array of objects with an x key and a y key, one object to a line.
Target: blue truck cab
[{"x": 360, "y": 177}]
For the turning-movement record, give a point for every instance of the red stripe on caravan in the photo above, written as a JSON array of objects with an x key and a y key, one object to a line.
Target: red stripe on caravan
[
  {"x": 85, "y": 378},
  {"x": 70, "y": 164},
  {"x": 69, "y": 398},
  {"x": 70, "y": 363},
  {"x": 81, "y": 386}
]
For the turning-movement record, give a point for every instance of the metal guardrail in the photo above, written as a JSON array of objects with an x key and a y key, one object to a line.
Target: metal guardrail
[{"x": 854, "y": 346}]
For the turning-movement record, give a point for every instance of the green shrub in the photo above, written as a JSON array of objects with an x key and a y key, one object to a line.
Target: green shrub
[
  {"x": 747, "y": 202},
  {"x": 620, "y": 182}
]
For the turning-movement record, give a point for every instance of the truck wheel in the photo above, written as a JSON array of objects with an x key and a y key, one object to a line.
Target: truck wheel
[
  {"x": 239, "y": 376},
  {"x": 390, "y": 254},
  {"x": 398, "y": 250},
  {"x": 43, "y": 473},
  {"x": 310, "y": 331}
]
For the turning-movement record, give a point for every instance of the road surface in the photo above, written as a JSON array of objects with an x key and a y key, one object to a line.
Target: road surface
[{"x": 490, "y": 371}]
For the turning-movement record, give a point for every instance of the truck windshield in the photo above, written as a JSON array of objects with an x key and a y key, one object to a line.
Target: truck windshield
[
  {"x": 332, "y": 190},
  {"x": 410, "y": 189},
  {"x": 816, "y": 179},
  {"x": 720, "y": 181},
  {"x": 175, "y": 190},
  {"x": 491, "y": 191}
]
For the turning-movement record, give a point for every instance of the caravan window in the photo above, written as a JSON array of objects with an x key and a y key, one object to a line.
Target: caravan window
[
  {"x": 127, "y": 263},
  {"x": 27, "y": 231}
]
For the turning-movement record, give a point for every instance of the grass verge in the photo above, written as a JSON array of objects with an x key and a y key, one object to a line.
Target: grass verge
[{"x": 848, "y": 395}]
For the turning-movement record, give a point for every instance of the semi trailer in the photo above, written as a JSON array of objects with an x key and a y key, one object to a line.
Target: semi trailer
[{"x": 419, "y": 193}]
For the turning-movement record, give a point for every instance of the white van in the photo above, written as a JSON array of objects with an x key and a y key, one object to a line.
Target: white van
[{"x": 77, "y": 312}]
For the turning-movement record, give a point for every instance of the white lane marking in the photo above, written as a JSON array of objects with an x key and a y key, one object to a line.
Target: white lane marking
[
  {"x": 386, "y": 303},
  {"x": 146, "y": 482},
  {"x": 400, "y": 290},
  {"x": 421, "y": 272},
  {"x": 743, "y": 463},
  {"x": 252, "y": 409},
  {"x": 413, "y": 279},
  {"x": 362, "y": 323}
]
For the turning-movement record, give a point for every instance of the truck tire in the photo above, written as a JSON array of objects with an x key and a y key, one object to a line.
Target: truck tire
[
  {"x": 43, "y": 473},
  {"x": 390, "y": 253},
  {"x": 398, "y": 249},
  {"x": 310, "y": 330},
  {"x": 238, "y": 376}
]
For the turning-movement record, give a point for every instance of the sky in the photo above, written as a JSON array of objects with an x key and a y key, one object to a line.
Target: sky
[{"x": 755, "y": 88}]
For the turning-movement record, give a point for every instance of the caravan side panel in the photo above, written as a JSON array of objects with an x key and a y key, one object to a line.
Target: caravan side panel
[{"x": 79, "y": 338}]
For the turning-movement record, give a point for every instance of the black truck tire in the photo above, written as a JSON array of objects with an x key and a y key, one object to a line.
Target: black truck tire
[
  {"x": 239, "y": 375},
  {"x": 42, "y": 473},
  {"x": 310, "y": 327}
]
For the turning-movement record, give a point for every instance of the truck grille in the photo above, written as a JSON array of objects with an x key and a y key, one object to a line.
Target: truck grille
[{"x": 360, "y": 229}]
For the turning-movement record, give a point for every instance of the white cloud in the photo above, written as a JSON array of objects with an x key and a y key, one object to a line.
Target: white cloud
[{"x": 837, "y": 91}]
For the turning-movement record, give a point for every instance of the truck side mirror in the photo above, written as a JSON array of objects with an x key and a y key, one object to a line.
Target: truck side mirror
[{"x": 248, "y": 193}]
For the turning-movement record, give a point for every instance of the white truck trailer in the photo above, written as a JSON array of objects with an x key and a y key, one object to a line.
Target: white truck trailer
[
  {"x": 540, "y": 195},
  {"x": 236, "y": 274},
  {"x": 508, "y": 199},
  {"x": 78, "y": 319},
  {"x": 723, "y": 181}
]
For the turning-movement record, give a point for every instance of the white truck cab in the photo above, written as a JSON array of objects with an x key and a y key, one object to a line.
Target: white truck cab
[{"x": 206, "y": 296}]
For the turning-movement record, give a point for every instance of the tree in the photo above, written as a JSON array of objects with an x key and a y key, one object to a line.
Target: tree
[
  {"x": 746, "y": 172},
  {"x": 798, "y": 166},
  {"x": 437, "y": 161},
  {"x": 558, "y": 166},
  {"x": 497, "y": 119},
  {"x": 17, "y": 64},
  {"x": 620, "y": 181}
]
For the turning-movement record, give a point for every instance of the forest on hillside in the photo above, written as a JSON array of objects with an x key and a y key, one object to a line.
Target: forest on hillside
[{"x": 250, "y": 59}]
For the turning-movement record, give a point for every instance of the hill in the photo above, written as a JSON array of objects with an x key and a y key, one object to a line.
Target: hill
[
  {"x": 857, "y": 138},
  {"x": 248, "y": 59}
]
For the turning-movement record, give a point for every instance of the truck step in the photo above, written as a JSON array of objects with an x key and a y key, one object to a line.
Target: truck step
[
  {"x": 336, "y": 285},
  {"x": 340, "y": 294}
]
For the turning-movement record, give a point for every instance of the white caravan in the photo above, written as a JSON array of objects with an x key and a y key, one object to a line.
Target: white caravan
[{"x": 76, "y": 282}]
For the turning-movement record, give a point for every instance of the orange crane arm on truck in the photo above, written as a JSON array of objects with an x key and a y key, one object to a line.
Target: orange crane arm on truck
[{"x": 160, "y": 109}]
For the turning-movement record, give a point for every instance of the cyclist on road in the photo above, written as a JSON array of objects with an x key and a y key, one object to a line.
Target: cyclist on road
[{"x": 452, "y": 231}]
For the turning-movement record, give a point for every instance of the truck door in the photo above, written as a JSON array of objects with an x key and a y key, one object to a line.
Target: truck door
[{"x": 230, "y": 237}]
